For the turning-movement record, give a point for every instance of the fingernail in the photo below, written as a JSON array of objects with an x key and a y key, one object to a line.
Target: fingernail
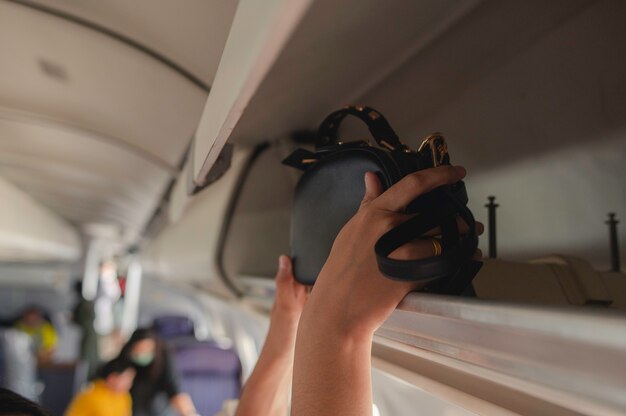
[{"x": 282, "y": 262}]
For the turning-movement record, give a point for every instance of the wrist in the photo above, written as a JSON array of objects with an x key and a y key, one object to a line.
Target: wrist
[
  {"x": 281, "y": 337},
  {"x": 284, "y": 319},
  {"x": 329, "y": 323}
]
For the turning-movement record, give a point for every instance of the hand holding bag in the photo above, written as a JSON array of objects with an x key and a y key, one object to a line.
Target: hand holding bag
[{"x": 330, "y": 191}]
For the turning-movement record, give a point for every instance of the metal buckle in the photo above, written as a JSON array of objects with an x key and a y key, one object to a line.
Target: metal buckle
[{"x": 438, "y": 148}]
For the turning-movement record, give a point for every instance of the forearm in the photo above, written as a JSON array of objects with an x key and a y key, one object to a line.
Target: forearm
[
  {"x": 267, "y": 390},
  {"x": 332, "y": 371}
]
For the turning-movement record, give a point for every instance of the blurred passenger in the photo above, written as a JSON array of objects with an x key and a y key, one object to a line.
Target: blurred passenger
[
  {"x": 84, "y": 315},
  {"x": 12, "y": 404},
  {"x": 108, "y": 295},
  {"x": 108, "y": 395},
  {"x": 33, "y": 322},
  {"x": 155, "y": 378}
]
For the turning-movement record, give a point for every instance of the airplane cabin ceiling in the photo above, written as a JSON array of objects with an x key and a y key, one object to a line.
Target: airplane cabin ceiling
[
  {"x": 191, "y": 33},
  {"x": 93, "y": 127}
]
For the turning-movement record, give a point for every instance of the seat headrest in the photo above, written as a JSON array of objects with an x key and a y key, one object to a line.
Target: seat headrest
[
  {"x": 173, "y": 326},
  {"x": 206, "y": 357}
]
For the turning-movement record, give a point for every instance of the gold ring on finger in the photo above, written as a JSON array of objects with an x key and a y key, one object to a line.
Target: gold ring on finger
[{"x": 436, "y": 246}]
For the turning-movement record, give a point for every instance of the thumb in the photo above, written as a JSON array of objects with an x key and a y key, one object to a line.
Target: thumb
[
  {"x": 284, "y": 268},
  {"x": 373, "y": 188}
]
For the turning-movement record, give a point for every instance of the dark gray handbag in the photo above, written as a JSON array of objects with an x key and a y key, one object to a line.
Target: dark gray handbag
[{"x": 330, "y": 191}]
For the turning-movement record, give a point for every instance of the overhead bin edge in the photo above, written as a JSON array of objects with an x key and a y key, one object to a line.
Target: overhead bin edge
[{"x": 258, "y": 34}]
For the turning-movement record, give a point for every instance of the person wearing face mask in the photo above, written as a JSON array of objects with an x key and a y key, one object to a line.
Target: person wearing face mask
[{"x": 155, "y": 385}]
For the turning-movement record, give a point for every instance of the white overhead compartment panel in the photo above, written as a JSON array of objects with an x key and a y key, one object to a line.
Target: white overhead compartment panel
[
  {"x": 286, "y": 63},
  {"x": 257, "y": 36},
  {"x": 31, "y": 232}
]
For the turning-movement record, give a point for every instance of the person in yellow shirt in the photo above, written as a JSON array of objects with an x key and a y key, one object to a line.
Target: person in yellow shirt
[
  {"x": 108, "y": 395},
  {"x": 41, "y": 331}
]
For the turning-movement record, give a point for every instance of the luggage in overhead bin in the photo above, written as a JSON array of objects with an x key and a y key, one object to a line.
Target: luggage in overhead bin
[
  {"x": 616, "y": 284},
  {"x": 552, "y": 280}
]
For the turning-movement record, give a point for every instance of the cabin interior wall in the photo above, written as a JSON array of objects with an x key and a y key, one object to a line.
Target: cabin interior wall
[
  {"x": 30, "y": 231},
  {"x": 260, "y": 226},
  {"x": 186, "y": 250}
]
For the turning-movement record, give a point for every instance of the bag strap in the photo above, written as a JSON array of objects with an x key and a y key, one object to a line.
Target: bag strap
[
  {"x": 454, "y": 262},
  {"x": 377, "y": 124}
]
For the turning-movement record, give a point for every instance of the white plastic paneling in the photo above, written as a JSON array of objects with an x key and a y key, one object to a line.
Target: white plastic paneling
[
  {"x": 530, "y": 360},
  {"x": 192, "y": 34},
  {"x": 90, "y": 126},
  {"x": 30, "y": 231},
  {"x": 187, "y": 250},
  {"x": 258, "y": 33}
]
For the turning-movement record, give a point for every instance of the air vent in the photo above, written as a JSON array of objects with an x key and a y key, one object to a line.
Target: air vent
[{"x": 53, "y": 70}]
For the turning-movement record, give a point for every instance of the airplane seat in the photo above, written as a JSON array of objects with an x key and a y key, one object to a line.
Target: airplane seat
[
  {"x": 59, "y": 381},
  {"x": 18, "y": 366},
  {"x": 208, "y": 372},
  {"x": 173, "y": 326}
]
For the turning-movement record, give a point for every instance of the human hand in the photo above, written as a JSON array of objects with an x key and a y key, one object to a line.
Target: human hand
[
  {"x": 351, "y": 295},
  {"x": 290, "y": 295}
]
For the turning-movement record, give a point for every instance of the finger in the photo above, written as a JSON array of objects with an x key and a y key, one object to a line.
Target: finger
[
  {"x": 411, "y": 186},
  {"x": 284, "y": 268},
  {"x": 414, "y": 250},
  {"x": 478, "y": 255},
  {"x": 373, "y": 188}
]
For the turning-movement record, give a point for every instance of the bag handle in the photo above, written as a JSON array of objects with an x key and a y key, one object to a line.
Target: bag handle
[
  {"x": 454, "y": 262},
  {"x": 377, "y": 124}
]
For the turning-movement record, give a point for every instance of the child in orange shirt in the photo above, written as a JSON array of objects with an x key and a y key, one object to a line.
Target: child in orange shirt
[{"x": 108, "y": 395}]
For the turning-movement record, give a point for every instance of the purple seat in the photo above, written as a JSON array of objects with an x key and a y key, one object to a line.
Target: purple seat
[
  {"x": 209, "y": 373},
  {"x": 173, "y": 326}
]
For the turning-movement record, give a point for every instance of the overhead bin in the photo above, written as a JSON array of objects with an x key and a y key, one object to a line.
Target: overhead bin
[
  {"x": 287, "y": 63},
  {"x": 31, "y": 232},
  {"x": 523, "y": 91}
]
